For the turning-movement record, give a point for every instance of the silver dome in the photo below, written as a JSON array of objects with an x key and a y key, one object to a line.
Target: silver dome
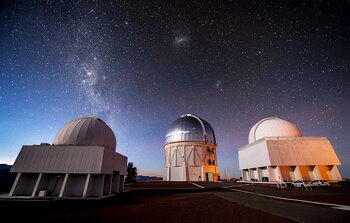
[{"x": 190, "y": 128}]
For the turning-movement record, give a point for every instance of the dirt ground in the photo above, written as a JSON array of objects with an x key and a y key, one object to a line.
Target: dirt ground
[
  {"x": 164, "y": 202},
  {"x": 138, "y": 206}
]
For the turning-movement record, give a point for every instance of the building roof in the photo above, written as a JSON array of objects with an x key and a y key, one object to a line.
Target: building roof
[
  {"x": 273, "y": 127},
  {"x": 86, "y": 131},
  {"x": 190, "y": 128}
]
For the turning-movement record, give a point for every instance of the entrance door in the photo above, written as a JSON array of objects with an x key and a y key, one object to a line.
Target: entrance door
[{"x": 209, "y": 176}]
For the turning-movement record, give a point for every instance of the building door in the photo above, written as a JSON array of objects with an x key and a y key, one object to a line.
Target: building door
[{"x": 209, "y": 176}]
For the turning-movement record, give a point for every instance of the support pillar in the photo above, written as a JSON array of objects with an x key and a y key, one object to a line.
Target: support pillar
[
  {"x": 316, "y": 173},
  {"x": 86, "y": 184},
  {"x": 280, "y": 177},
  {"x": 297, "y": 173},
  {"x": 110, "y": 185},
  {"x": 115, "y": 182},
  {"x": 184, "y": 172},
  {"x": 102, "y": 185},
  {"x": 37, "y": 184},
  {"x": 268, "y": 174},
  {"x": 121, "y": 183},
  {"x": 202, "y": 172},
  {"x": 169, "y": 171},
  {"x": 335, "y": 173},
  {"x": 15, "y": 184},
  {"x": 63, "y": 185}
]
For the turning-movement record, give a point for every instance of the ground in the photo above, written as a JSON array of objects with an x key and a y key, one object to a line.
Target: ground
[{"x": 186, "y": 202}]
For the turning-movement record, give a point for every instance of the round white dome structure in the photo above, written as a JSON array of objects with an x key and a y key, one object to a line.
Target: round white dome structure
[
  {"x": 190, "y": 128},
  {"x": 278, "y": 152},
  {"x": 273, "y": 127},
  {"x": 86, "y": 131}
]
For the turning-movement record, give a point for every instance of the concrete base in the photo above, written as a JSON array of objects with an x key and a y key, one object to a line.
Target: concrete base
[
  {"x": 66, "y": 185},
  {"x": 191, "y": 161},
  {"x": 291, "y": 173}
]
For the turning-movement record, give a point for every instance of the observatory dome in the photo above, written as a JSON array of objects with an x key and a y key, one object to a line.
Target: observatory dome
[
  {"x": 86, "y": 131},
  {"x": 273, "y": 127},
  {"x": 190, "y": 128}
]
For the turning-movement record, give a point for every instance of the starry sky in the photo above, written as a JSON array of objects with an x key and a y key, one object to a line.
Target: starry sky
[{"x": 141, "y": 64}]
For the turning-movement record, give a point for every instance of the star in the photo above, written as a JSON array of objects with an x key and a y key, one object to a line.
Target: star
[{"x": 139, "y": 66}]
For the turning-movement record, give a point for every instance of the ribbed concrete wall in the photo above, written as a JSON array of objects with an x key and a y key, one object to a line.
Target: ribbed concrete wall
[
  {"x": 59, "y": 159},
  {"x": 69, "y": 159},
  {"x": 302, "y": 152},
  {"x": 305, "y": 151}
]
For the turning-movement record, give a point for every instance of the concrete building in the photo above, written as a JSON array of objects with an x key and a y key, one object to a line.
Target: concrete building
[
  {"x": 277, "y": 151},
  {"x": 81, "y": 162},
  {"x": 190, "y": 151}
]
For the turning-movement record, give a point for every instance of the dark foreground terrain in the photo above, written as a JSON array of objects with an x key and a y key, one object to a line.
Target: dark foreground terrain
[
  {"x": 190, "y": 205},
  {"x": 184, "y": 202}
]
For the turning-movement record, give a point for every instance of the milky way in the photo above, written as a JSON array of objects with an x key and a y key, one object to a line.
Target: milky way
[{"x": 140, "y": 65}]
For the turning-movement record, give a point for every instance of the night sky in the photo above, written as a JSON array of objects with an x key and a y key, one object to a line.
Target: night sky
[{"x": 139, "y": 65}]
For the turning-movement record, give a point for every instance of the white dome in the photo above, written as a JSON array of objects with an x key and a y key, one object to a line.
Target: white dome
[
  {"x": 273, "y": 127},
  {"x": 86, "y": 131}
]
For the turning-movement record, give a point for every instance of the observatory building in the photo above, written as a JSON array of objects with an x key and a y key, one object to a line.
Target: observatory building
[
  {"x": 81, "y": 162},
  {"x": 190, "y": 150},
  {"x": 277, "y": 151}
]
